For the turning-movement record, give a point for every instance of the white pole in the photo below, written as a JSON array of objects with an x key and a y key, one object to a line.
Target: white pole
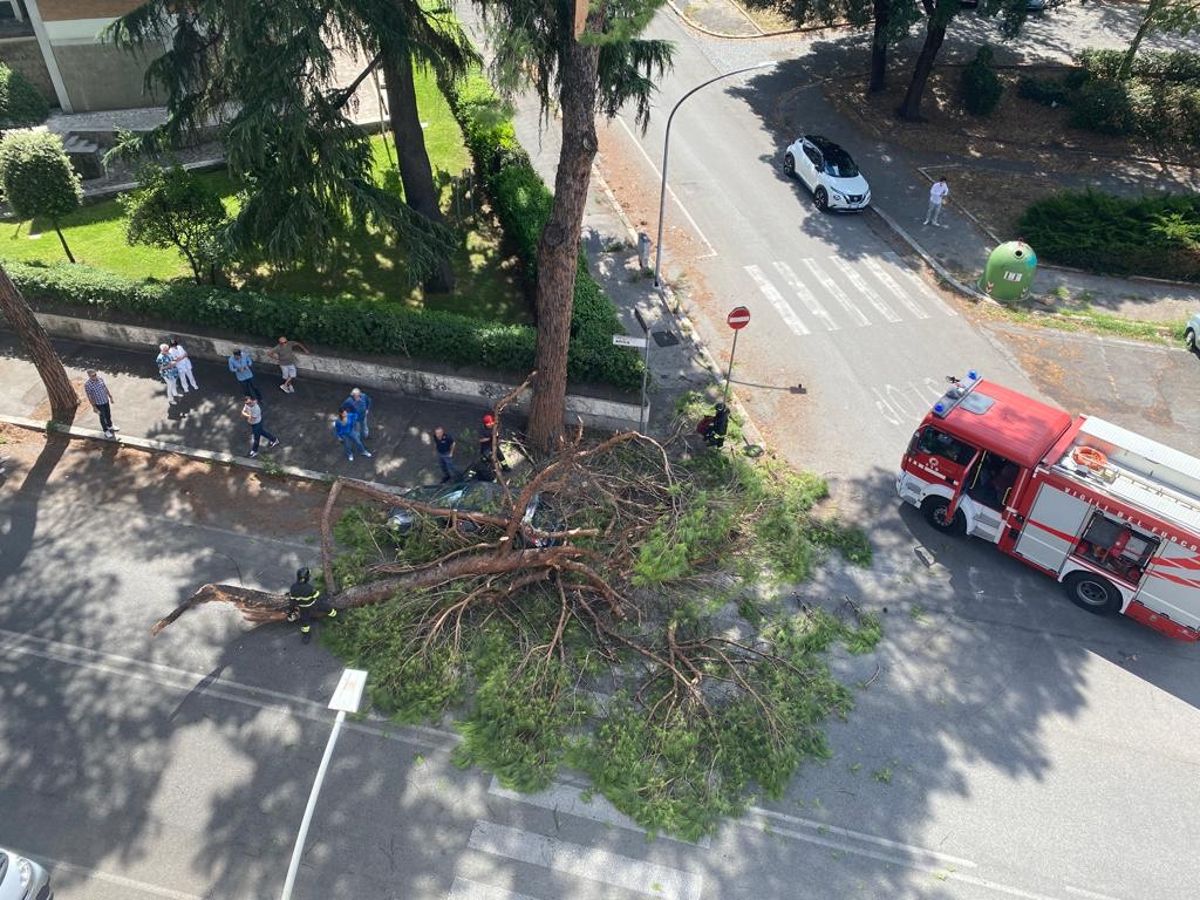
[{"x": 312, "y": 805}]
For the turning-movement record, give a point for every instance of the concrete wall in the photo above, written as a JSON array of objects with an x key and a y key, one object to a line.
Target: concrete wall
[
  {"x": 99, "y": 76},
  {"x": 595, "y": 413},
  {"x": 22, "y": 54},
  {"x": 58, "y": 10}
]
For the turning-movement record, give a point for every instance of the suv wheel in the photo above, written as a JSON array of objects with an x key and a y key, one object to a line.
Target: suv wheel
[
  {"x": 1190, "y": 339},
  {"x": 821, "y": 198},
  {"x": 789, "y": 166}
]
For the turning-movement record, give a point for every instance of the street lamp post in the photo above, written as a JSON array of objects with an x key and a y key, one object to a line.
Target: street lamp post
[{"x": 662, "y": 194}]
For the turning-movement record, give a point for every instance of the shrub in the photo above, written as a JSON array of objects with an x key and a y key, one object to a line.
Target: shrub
[
  {"x": 1154, "y": 236},
  {"x": 980, "y": 85},
  {"x": 37, "y": 178},
  {"x": 1102, "y": 105},
  {"x": 21, "y": 104},
  {"x": 1179, "y": 66},
  {"x": 522, "y": 203},
  {"x": 1046, "y": 91}
]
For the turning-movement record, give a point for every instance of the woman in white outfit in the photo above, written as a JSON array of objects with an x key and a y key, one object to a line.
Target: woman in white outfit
[{"x": 183, "y": 366}]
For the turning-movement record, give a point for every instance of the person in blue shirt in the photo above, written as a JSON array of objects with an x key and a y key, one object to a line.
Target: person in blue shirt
[
  {"x": 345, "y": 431},
  {"x": 359, "y": 403},
  {"x": 241, "y": 365}
]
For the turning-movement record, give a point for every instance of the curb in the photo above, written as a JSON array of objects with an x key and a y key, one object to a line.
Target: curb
[
  {"x": 696, "y": 26},
  {"x": 942, "y": 271},
  {"x": 152, "y": 446}
]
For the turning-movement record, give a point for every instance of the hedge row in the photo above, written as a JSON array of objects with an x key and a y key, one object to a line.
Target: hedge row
[
  {"x": 522, "y": 202},
  {"x": 1154, "y": 236},
  {"x": 1160, "y": 101},
  {"x": 21, "y": 104},
  {"x": 1182, "y": 66}
]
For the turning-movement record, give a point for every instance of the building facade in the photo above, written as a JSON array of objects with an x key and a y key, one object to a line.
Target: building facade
[{"x": 57, "y": 45}]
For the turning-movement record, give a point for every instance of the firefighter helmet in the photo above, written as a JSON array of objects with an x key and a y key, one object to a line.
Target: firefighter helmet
[{"x": 302, "y": 574}]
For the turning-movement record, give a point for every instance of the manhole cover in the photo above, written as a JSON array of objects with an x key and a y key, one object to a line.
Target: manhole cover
[{"x": 664, "y": 338}]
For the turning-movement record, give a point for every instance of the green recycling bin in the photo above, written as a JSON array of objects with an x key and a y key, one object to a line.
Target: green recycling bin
[{"x": 1008, "y": 275}]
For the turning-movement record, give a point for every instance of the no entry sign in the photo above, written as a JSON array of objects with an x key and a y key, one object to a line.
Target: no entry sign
[{"x": 738, "y": 318}]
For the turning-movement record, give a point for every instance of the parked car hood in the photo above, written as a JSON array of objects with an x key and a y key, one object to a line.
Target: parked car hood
[{"x": 855, "y": 185}]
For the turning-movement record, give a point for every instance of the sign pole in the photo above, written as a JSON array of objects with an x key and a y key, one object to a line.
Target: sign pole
[
  {"x": 645, "y": 367},
  {"x": 729, "y": 374}
]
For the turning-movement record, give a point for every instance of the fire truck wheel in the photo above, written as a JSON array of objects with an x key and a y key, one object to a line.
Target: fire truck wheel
[
  {"x": 1093, "y": 592},
  {"x": 934, "y": 509}
]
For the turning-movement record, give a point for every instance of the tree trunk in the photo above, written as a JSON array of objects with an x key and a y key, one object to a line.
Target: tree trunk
[
  {"x": 879, "y": 42},
  {"x": 62, "y": 240},
  {"x": 420, "y": 193},
  {"x": 1143, "y": 29},
  {"x": 63, "y": 400},
  {"x": 558, "y": 248},
  {"x": 935, "y": 33}
]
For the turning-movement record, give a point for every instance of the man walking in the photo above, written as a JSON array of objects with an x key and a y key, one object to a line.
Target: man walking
[
  {"x": 444, "y": 444},
  {"x": 284, "y": 353},
  {"x": 345, "y": 430},
  {"x": 183, "y": 366},
  {"x": 489, "y": 443},
  {"x": 98, "y": 395},
  {"x": 241, "y": 365},
  {"x": 303, "y": 605},
  {"x": 166, "y": 371},
  {"x": 937, "y": 197},
  {"x": 253, "y": 414},
  {"x": 359, "y": 404}
]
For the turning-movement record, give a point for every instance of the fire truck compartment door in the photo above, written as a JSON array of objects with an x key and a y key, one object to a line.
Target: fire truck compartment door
[
  {"x": 1051, "y": 528},
  {"x": 1173, "y": 585}
]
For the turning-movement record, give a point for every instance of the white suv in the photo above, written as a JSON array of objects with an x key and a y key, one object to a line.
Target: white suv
[{"x": 828, "y": 171}]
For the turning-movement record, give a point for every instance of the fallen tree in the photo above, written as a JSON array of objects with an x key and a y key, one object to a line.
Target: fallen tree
[{"x": 624, "y": 639}]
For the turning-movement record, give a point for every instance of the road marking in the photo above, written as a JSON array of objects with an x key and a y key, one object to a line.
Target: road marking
[
  {"x": 96, "y": 875},
  {"x": 586, "y": 862},
  {"x": 807, "y": 297},
  {"x": 890, "y": 283},
  {"x": 781, "y": 306},
  {"x": 924, "y": 289},
  {"x": 466, "y": 889},
  {"x": 1080, "y": 892},
  {"x": 712, "y": 251},
  {"x": 12, "y": 642},
  {"x": 861, "y": 836},
  {"x": 866, "y": 290},
  {"x": 568, "y": 798},
  {"x": 837, "y": 293}
]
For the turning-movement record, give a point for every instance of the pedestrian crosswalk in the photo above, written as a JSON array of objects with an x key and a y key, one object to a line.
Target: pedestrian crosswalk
[{"x": 835, "y": 293}]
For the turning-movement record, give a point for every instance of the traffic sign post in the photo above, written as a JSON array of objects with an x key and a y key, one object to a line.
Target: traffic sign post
[
  {"x": 738, "y": 318},
  {"x": 643, "y": 343}
]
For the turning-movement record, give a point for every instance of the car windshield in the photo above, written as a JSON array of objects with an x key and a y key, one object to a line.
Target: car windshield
[{"x": 839, "y": 164}]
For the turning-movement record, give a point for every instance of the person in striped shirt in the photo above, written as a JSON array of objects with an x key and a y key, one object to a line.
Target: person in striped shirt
[{"x": 101, "y": 399}]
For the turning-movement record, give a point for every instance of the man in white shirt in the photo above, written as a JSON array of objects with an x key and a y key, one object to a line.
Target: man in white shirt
[
  {"x": 183, "y": 365},
  {"x": 937, "y": 196}
]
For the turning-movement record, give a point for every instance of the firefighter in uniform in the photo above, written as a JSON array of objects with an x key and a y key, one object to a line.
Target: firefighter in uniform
[{"x": 304, "y": 604}]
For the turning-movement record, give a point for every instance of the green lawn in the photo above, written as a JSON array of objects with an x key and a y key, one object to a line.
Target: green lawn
[{"x": 367, "y": 264}]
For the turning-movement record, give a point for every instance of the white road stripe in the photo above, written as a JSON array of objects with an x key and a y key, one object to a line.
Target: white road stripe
[
  {"x": 14, "y": 643},
  {"x": 865, "y": 289},
  {"x": 925, "y": 290},
  {"x": 712, "y": 251},
  {"x": 897, "y": 291},
  {"x": 586, "y": 862},
  {"x": 567, "y": 798},
  {"x": 1092, "y": 895},
  {"x": 837, "y": 293},
  {"x": 466, "y": 889},
  {"x": 781, "y": 306},
  {"x": 807, "y": 297},
  {"x": 58, "y": 865}
]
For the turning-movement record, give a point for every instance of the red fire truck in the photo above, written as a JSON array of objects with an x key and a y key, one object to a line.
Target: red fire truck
[{"x": 1112, "y": 515}]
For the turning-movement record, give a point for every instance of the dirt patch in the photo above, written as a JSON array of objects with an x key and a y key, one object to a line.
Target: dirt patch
[
  {"x": 997, "y": 199},
  {"x": 1018, "y": 131}
]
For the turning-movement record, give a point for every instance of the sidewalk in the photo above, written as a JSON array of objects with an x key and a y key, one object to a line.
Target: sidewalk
[{"x": 210, "y": 419}]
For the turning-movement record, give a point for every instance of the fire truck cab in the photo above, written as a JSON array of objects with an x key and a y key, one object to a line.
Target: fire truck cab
[{"x": 1112, "y": 515}]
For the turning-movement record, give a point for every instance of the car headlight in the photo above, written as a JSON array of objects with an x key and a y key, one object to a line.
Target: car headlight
[
  {"x": 26, "y": 872},
  {"x": 838, "y": 194}
]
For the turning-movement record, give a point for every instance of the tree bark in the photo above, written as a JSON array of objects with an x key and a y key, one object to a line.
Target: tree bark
[
  {"x": 416, "y": 174},
  {"x": 62, "y": 240},
  {"x": 935, "y": 33},
  {"x": 1143, "y": 29},
  {"x": 558, "y": 248},
  {"x": 883, "y": 15},
  {"x": 63, "y": 400}
]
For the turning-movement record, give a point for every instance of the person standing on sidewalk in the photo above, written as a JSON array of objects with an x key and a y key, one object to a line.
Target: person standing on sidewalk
[
  {"x": 101, "y": 399},
  {"x": 183, "y": 366},
  {"x": 166, "y": 370},
  {"x": 489, "y": 443},
  {"x": 241, "y": 365},
  {"x": 444, "y": 444},
  {"x": 359, "y": 404},
  {"x": 253, "y": 414},
  {"x": 937, "y": 197},
  {"x": 345, "y": 430},
  {"x": 284, "y": 353}
]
